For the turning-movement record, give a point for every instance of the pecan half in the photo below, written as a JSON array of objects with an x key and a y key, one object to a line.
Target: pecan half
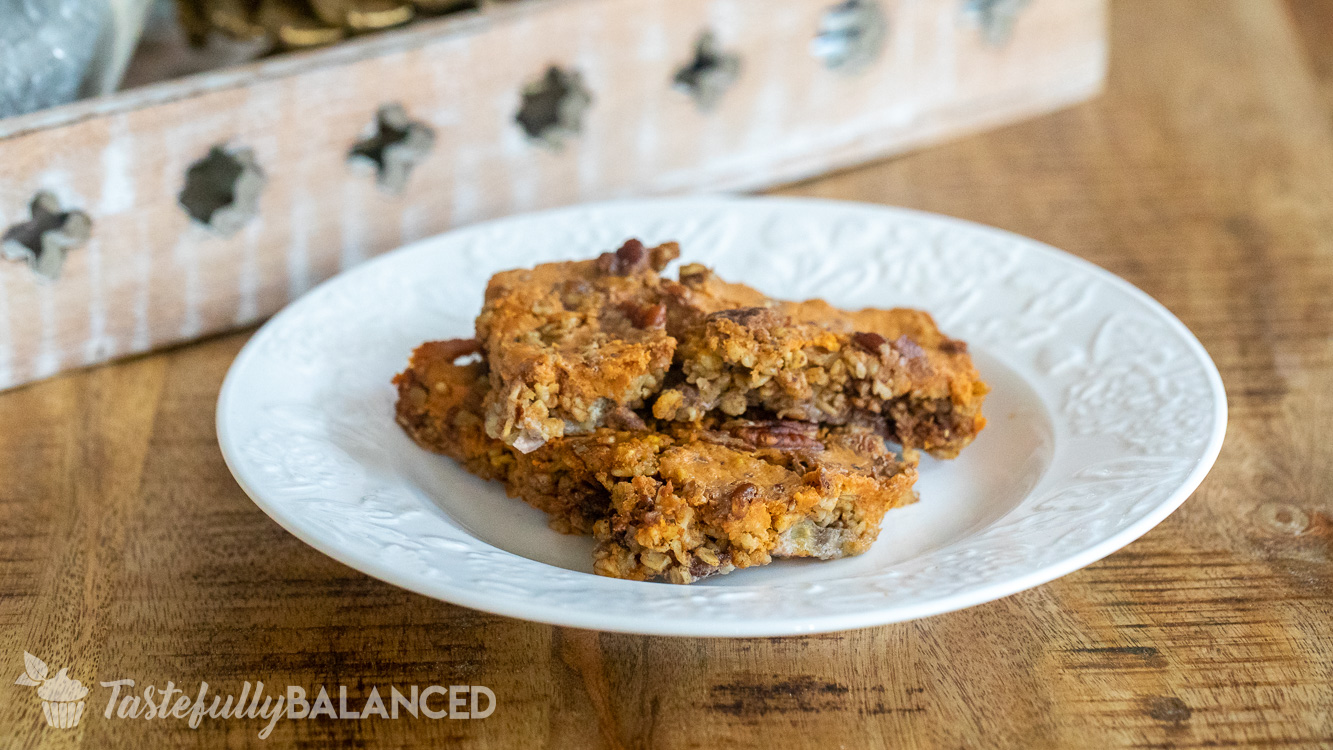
[
  {"x": 724, "y": 439},
  {"x": 779, "y": 434}
]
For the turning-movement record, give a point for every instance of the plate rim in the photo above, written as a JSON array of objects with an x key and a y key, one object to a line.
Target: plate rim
[{"x": 770, "y": 626}]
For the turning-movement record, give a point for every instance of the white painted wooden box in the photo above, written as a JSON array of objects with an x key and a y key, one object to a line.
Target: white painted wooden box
[{"x": 782, "y": 90}]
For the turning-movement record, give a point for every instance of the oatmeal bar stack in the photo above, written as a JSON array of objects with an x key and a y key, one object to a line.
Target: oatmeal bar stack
[{"x": 692, "y": 427}]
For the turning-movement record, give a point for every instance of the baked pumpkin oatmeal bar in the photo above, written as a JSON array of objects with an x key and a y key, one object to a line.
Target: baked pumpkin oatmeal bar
[
  {"x": 579, "y": 345},
  {"x": 809, "y": 361},
  {"x": 572, "y": 345},
  {"x": 670, "y": 501}
]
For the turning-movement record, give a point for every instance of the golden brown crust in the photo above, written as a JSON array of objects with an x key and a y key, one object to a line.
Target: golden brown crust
[{"x": 671, "y": 501}]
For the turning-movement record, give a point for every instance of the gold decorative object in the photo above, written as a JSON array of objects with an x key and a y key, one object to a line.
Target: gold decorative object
[
  {"x": 296, "y": 24},
  {"x": 293, "y": 27},
  {"x": 368, "y": 15}
]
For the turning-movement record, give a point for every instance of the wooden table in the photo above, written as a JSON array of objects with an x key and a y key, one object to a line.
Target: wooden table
[{"x": 1204, "y": 176}]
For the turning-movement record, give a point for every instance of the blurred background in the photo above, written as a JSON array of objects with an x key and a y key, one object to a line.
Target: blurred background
[{"x": 177, "y": 168}]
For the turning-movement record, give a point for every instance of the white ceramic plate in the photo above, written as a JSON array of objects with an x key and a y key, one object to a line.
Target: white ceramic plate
[{"x": 1105, "y": 415}]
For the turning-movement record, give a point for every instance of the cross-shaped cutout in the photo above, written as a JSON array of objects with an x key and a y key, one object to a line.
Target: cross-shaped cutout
[
  {"x": 712, "y": 71},
  {"x": 45, "y": 239},
  {"x": 995, "y": 17},
  {"x": 553, "y": 107},
  {"x": 851, "y": 35},
  {"x": 397, "y": 145},
  {"x": 222, "y": 189}
]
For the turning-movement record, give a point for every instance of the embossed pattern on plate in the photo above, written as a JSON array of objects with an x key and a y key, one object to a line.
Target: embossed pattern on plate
[{"x": 1123, "y": 410}]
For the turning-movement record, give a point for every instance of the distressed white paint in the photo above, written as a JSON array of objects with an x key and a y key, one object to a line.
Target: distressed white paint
[
  {"x": 298, "y": 247},
  {"x": 467, "y": 195},
  {"x": 117, "y": 177},
  {"x": 352, "y": 219},
  {"x": 523, "y": 192},
  {"x": 47, "y": 362},
  {"x": 652, "y": 48},
  {"x": 142, "y": 338},
  {"x": 58, "y": 181},
  {"x": 587, "y": 146},
  {"x": 185, "y": 255},
  {"x": 247, "y": 280},
  {"x": 99, "y": 346},
  {"x": 7, "y": 376},
  {"x": 410, "y": 224},
  {"x": 652, "y": 44}
]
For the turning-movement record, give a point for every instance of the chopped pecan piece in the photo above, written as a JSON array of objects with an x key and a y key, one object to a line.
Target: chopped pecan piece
[
  {"x": 741, "y": 497},
  {"x": 953, "y": 346},
  {"x": 908, "y": 348},
  {"x": 646, "y": 316},
  {"x": 694, "y": 275},
  {"x": 758, "y": 317},
  {"x": 631, "y": 258},
  {"x": 454, "y": 349},
  {"x": 624, "y": 418},
  {"x": 635, "y": 257},
  {"x": 871, "y": 342},
  {"x": 661, "y": 256}
]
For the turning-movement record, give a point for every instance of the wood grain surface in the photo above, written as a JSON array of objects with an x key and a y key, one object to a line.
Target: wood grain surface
[{"x": 1204, "y": 175}]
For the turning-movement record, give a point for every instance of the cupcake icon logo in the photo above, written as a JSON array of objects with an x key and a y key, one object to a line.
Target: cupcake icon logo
[{"x": 62, "y": 697}]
